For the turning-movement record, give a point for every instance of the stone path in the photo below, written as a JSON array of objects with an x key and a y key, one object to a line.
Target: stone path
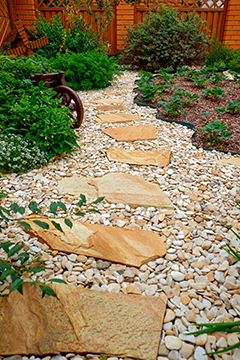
[{"x": 199, "y": 278}]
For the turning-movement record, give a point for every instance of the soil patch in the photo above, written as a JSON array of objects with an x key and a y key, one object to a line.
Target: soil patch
[{"x": 195, "y": 111}]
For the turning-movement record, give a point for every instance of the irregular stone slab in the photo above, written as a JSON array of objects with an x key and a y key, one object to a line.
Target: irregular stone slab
[
  {"x": 116, "y": 118},
  {"x": 156, "y": 157},
  {"x": 108, "y": 101},
  {"x": 132, "y": 133},
  {"x": 110, "y": 107},
  {"x": 230, "y": 161},
  {"x": 131, "y": 190},
  {"x": 80, "y": 321},
  {"x": 126, "y": 246},
  {"x": 77, "y": 185}
]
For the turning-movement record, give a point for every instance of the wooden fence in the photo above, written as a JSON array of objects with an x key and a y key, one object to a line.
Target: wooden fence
[{"x": 222, "y": 16}]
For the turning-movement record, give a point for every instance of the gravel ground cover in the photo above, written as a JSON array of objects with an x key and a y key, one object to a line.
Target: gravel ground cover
[{"x": 199, "y": 278}]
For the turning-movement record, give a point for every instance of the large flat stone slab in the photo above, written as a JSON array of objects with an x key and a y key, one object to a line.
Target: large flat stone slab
[
  {"x": 110, "y": 107},
  {"x": 132, "y": 133},
  {"x": 80, "y": 321},
  {"x": 131, "y": 190},
  {"x": 116, "y": 118},
  {"x": 118, "y": 188},
  {"x": 77, "y": 185},
  {"x": 156, "y": 157},
  {"x": 230, "y": 161},
  {"x": 126, "y": 246},
  {"x": 108, "y": 101}
]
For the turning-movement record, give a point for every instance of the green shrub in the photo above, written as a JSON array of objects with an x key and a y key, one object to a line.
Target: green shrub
[
  {"x": 20, "y": 68},
  {"x": 166, "y": 40},
  {"x": 91, "y": 70},
  {"x": 55, "y": 32},
  {"x": 34, "y": 113},
  {"x": 19, "y": 155}
]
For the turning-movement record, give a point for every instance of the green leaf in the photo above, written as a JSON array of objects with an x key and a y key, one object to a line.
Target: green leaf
[
  {"x": 57, "y": 226},
  {"x": 14, "y": 208},
  {"x": 83, "y": 198},
  {"x": 6, "y": 245},
  {"x": 17, "y": 285},
  {"x": 23, "y": 257},
  {"x": 15, "y": 249},
  {"x": 80, "y": 213},
  {"x": 3, "y": 195},
  {"x": 35, "y": 270},
  {"x": 68, "y": 223},
  {"x": 94, "y": 210},
  {"x": 80, "y": 203},
  {"x": 46, "y": 290},
  {"x": 5, "y": 273},
  {"x": 100, "y": 199},
  {"x": 53, "y": 208},
  {"x": 58, "y": 281},
  {"x": 25, "y": 224},
  {"x": 62, "y": 206},
  {"x": 33, "y": 206},
  {"x": 42, "y": 224}
]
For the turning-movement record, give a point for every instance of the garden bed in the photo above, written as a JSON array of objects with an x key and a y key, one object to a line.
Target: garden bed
[{"x": 195, "y": 114}]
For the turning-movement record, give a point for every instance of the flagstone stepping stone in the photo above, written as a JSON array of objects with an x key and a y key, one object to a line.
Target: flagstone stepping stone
[
  {"x": 116, "y": 118},
  {"x": 156, "y": 157},
  {"x": 230, "y": 161},
  {"x": 110, "y": 107},
  {"x": 132, "y": 190},
  {"x": 118, "y": 188},
  {"x": 132, "y": 133},
  {"x": 125, "y": 246},
  {"x": 108, "y": 101},
  {"x": 80, "y": 321},
  {"x": 79, "y": 185}
]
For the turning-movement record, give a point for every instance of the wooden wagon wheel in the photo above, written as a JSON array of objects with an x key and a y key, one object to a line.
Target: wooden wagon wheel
[{"x": 71, "y": 100}]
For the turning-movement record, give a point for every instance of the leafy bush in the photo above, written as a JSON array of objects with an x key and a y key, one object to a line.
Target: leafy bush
[
  {"x": 215, "y": 131},
  {"x": 20, "y": 68},
  {"x": 55, "y": 32},
  {"x": 34, "y": 113},
  {"x": 91, "y": 70},
  {"x": 164, "y": 40},
  {"x": 19, "y": 155}
]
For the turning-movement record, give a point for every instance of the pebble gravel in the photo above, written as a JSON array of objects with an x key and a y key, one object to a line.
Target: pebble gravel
[{"x": 199, "y": 278}]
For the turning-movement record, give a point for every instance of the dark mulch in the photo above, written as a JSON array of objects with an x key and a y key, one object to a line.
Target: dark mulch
[{"x": 195, "y": 116}]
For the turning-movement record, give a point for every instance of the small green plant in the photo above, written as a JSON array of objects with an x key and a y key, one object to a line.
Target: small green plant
[
  {"x": 200, "y": 82},
  {"x": 19, "y": 155},
  {"x": 190, "y": 74},
  {"x": 185, "y": 94},
  {"x": 145, "y": 77},
  {"x": 221, "y": 110},
  {"x": 234, "y": 107},
  {"x": 20, "y": 265},
  {"x": 216, "y": 78},
  {"x": 214, "y": 93},
  {"x": 174, "y": 108},
  {"x": 149, "y": 90},
  {"x": 215, "y": 131}
]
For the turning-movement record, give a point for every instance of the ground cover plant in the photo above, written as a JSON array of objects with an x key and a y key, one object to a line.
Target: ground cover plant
[
  {"x": 164, "y": 39},
  {"x": 205, "y": 99}
]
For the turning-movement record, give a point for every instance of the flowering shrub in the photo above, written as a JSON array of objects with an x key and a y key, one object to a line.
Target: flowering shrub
[{"x": 19, "y": 155}]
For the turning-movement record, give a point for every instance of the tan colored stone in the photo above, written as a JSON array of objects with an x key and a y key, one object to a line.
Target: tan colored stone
[
  {"x": 130, "y": 247},
  {"x": 116, "y": 118},
  {"x": 185, "y": 299},
  {"x": 77, "y": 185},
  {"x": 108, "y": 101},
  {"x": 110, "y": 107},
  {"x": 230, "y": 161},
  {"x": 132, "y": 133},
  {"x": 131, "y": 190},
  {"x": 80, "y": 321},
  {"x": 133, "y": 289},
  {"x": 156, "y": 157}
]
